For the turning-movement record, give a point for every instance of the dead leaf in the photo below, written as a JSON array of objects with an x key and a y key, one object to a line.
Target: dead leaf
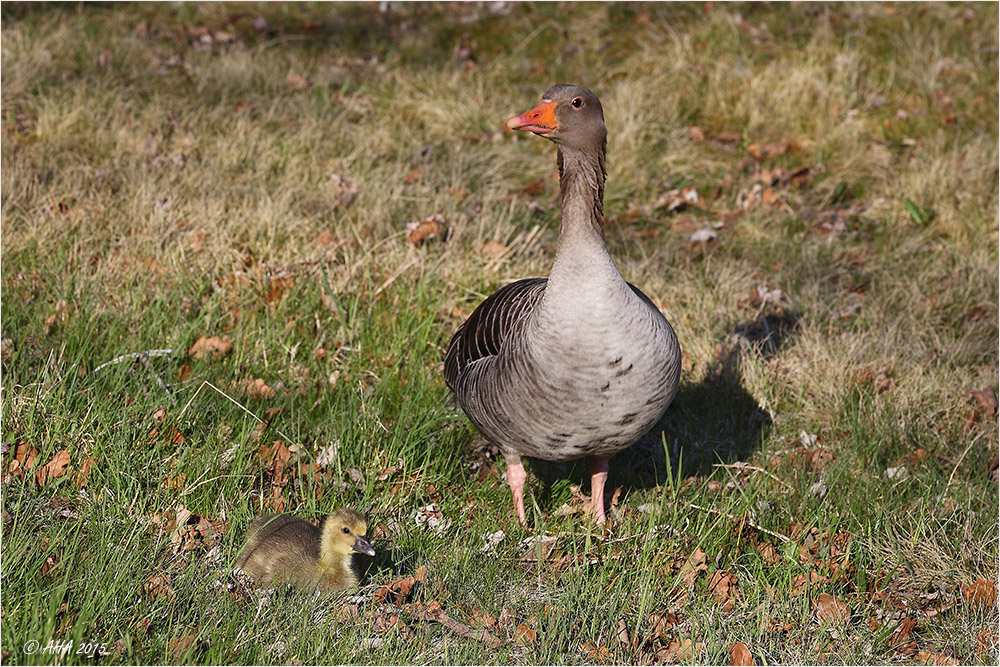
[
  {"x": 210, "y": 346},
  {"x": 53, "y": 469},
  {"x": 431, "y": 517},
  {"x": 739, "y": 655},
  {"x": 660, "y": 623},
  {"x": 418, "y": 232},
  {"x": 24, "y": 460},
  {"x": 883, "y": 382},
  {"x": 765, "y": 151},
  {"x": 524, "y": 635},
  {"x": 622, "y": 633},
  {"x": 768, "y": 553},
  {"x": 299, "y": 82},
  {"x": 902, "y": 634},
  {"x": 83, "y": 474},
  {"x": 831, "y": 609},
  {"x": 345, "y": 189},
  {"x": 595, "y": 652},
  {"x": 980, "y": 593},
  {"x": 696, "y": 134},
  {"x": 254, "y": 388},
  {"x": 397, "y": 591},
  {"x": 536, "y": 187},
  {"x": 692, "y": 566},
  {"x": 158, "y": 585},
  {"x": 678, "y": 651},
  {"x": 277, "y": 287},
  {"x": 835, "y": 222},
  {"x": 728, "y": 137},
  {"x": 492, "y": 249},
  {"x": 415, "y": 175},
  {"x": 929, "y": 658},
  {"x": 276, "y": 453},
  {"x": 987, "y": 399},
  {"x": 722, "y": 585},
  {"x": 179, "y": 647}
]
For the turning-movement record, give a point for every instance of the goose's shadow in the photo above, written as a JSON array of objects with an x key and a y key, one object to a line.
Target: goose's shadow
[{"x": 715, "y": 420}]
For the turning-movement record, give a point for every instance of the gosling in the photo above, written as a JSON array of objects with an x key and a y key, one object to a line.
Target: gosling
[{"x": 285, "y": 549}]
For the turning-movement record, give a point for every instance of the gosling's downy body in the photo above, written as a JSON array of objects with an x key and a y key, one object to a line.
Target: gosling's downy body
[{"x": 285, "y": 549}]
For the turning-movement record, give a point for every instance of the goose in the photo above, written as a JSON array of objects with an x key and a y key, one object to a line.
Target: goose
[
  {"x": 581, "y": 364},
  {"x": 285, "y": 549}
]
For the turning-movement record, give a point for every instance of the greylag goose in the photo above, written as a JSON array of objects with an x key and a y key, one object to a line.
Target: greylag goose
[
  {"x": 581, "y": 364},
  {"x": 284, "y": 549}
]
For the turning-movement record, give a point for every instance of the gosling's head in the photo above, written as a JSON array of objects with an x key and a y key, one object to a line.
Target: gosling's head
[{"x": 344, "y": 533}]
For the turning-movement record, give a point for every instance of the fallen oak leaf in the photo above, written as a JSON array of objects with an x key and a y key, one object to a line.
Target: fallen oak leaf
[
  {"x": 740, "y": 656},
  {"x": 831, "y": 609},
  {"x": 980, "y": 593},
  {"x": 987, "y": 399},
  {"x": 929, "y": 658},
  {"x": 765, "y": 151},
  {"x": 254, "y": 388},
  {"x": 901, "y": 636},
  {"x": 397, "y": 591},
  {"x": 692, "y": 566},
  {"x": 417, "y": 232},
  {"x": 524, "y": 635},
  {"x": 25, "y": 457},
  {"x": 723, "y": 588},
  {"x": 83, "y": 474},
  {"x": 595, "y": 652},
  {"x": 678, "y": 651},
  {"x": 180, "y": 647},
  {"x": 210, "y": 346},
  {"x": 492, "y": 249},
  {"x": 53, "y": 469}
]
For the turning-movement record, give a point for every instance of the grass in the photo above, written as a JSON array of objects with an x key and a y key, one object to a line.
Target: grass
[{"x": 167, "y": 175}]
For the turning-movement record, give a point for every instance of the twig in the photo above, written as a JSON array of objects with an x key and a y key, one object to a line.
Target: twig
[
  {"x": 461, "y": 629},
  {"x": 951, "y": 477},
  {"x": 135, "y": 355},
  {"x": 233, "y": 400},
  {"x": 733, "y": 517}
]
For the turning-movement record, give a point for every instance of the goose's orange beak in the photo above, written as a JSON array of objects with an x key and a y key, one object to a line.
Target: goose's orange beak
[{"x": 540, "y": 120}]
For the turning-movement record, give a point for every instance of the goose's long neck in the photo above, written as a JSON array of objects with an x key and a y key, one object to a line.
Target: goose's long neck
[{"x": 581, "y": 251}]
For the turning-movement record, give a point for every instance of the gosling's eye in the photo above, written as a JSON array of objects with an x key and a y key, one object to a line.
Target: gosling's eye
[
  {"x": 347, "y": 531},
  {"x": 577, "y": 102}
]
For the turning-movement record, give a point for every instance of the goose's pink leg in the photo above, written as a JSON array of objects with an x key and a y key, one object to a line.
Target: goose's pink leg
[
  {"x": 516, "y": 476},
  {"x": 598, "y": 475}
]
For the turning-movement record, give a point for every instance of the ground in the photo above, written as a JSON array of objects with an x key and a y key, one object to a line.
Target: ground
[{"x": 237, "y": 238}]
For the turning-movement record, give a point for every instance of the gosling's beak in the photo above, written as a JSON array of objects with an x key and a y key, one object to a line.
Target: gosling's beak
[
  {"x": 540, "y": 120},
  {"x": 362, "y": 546}
]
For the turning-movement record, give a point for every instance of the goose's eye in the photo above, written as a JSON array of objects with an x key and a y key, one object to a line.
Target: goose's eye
[
  {"x": 577, "y": 103},
  {"x": 347, "y": 531}
]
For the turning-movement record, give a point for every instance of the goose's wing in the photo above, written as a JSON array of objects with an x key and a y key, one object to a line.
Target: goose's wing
[{"x": 494, "y": 321}]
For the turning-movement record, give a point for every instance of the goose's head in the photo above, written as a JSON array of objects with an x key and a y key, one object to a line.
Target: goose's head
[{"x": 570, "y": 116}]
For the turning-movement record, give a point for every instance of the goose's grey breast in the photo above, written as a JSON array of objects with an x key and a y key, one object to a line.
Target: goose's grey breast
[{"x": 585, "y": 377}]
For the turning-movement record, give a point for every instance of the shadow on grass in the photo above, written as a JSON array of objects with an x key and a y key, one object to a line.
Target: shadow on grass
[{"x": 712, "y": 421}]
